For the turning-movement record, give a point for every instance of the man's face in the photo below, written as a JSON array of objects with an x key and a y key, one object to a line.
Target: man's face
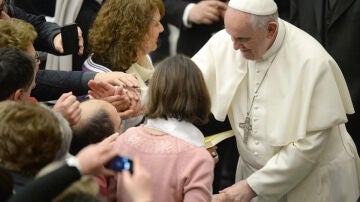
[
  {"x": 31, "y": 51},
  {"x": 252, "y": 42}
]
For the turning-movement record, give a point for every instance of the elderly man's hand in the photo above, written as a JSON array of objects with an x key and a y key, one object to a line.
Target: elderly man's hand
[{"x": 240, "y": 192}]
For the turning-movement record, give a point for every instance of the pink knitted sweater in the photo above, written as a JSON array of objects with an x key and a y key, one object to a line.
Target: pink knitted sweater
[{"x": 179, "y": 170}]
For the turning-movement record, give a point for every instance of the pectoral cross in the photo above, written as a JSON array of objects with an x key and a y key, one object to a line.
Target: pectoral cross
[{"x": 247, "y": 128}]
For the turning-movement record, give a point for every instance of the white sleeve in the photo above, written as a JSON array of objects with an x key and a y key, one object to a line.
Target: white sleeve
[
  {"x": 185, "y": 17},
  {"x": 288, "y": 167}
]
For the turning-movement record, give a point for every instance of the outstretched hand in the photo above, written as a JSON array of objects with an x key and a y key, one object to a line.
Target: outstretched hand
[
  {"x": 93, "y": 157},
  {"x": 138, "y": 185},
  {"x": 58, "y": 44},
  {"x": 69, "y": 107},
  {"x": 125, "y": 99}
]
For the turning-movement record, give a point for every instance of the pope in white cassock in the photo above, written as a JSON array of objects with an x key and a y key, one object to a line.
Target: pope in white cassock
[{"x": 287, "y": 101}]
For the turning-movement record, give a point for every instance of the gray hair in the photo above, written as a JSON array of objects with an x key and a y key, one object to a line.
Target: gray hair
[{"x": 261, "y": 21}]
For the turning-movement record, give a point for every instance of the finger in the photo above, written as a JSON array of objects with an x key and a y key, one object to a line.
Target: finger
[
  {"x": 126, "y": 176},
  {"x": 64, "y": 96},
  {"x": 94, "y": 94},
  {"x": 58, "y": 43},
  {"x": 108, "y": 172},
  {"x": 119, "y": 90},
  {"x": 137, "y": 164},
  {"x": 81, "y": 41},
  {"x": 110, "y": 139},
  {"x": 127, "y": 114}
]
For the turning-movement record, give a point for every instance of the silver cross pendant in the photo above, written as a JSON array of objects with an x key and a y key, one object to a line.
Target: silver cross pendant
[{"x": 247, "y": 129}]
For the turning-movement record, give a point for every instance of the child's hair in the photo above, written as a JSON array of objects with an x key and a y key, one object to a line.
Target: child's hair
[{"x": 177, "y": 90}]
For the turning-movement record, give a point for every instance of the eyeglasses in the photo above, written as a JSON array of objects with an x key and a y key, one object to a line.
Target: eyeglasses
[
  {"x": 3, "y": 6},
  {"x": 37, "y": 57}
]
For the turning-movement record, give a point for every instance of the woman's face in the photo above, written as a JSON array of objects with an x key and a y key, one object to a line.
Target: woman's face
[{"x": 152, "y": 36}]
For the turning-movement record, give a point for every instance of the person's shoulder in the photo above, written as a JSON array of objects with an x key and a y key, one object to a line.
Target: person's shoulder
[{"x": 298, "y": 40}]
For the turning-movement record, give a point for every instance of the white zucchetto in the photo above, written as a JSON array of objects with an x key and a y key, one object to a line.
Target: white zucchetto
[{"x": 257, "y": 7}]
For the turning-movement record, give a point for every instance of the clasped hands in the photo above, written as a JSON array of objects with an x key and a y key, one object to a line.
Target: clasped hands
[{"x": 123, "y": 93}]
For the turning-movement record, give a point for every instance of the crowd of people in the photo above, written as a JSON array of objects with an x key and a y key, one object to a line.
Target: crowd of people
[{"x": 288, "y": 95}]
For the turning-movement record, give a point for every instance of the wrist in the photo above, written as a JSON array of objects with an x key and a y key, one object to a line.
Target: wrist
[
  {"x": 74, "y": 162},
  {"x": 186, "y": 16}
]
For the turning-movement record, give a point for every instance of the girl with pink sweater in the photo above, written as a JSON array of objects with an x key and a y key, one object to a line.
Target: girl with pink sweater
[{"x": 169, "y": 146}]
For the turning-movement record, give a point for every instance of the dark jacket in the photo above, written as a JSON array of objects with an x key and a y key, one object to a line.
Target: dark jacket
[
  {"x": 190, "y": 39},
  {"x": 50, "y": 84},
  {"x": 46, "y": 30},
  {"x": 49, "y": 186},
  {"x": 337, "y": 29}
]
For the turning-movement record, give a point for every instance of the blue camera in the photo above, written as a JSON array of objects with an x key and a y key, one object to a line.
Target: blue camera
[{"x": 119, "y": 163}]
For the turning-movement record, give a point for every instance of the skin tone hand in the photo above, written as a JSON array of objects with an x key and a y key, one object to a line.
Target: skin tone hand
[
  {"x": 112, "y": 94},
  {"x": 93, "y": 157},
  {"x": 58, "y": 42},
  {"x": 138, "y": 185},
  {"x": 118, "y": 79},
  {"x": 135, "y": 108},
  {"x": 240, "y": 191},
  {"x": 126, "y": 100},
  {"x": 69, "y": 107},
  {"x": 207, "y": 12}
]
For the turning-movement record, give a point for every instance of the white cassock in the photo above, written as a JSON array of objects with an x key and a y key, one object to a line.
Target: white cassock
[{"x": 299, "y": 149}]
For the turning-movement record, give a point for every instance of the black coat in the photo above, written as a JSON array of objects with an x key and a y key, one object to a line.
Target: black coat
[
  {"x": 338, "y": 31},
  {"x": 190, "y": 39},
  {"x": 46, "y": 30}
]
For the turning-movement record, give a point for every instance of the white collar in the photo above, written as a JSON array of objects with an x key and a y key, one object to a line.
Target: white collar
[{"x": 180, "y": 129}]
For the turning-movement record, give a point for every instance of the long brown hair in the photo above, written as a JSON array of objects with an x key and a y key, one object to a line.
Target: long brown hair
[{"x": 177, "y": 90}]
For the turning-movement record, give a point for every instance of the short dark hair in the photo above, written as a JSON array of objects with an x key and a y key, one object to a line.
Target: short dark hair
[
  {"x": 17, "y": 71},
  {"x": 177, "y": 90},
  {"x": 96, "y": 129}
]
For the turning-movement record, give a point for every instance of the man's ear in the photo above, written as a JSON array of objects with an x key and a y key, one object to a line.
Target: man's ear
[
  {"x": 17, "y": 95},
  {"x": 272, "y": 28}
]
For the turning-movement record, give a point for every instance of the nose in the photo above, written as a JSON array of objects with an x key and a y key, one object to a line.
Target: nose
[
  {"x": 237, "y": 45},
  {"x": 161, "y": 27}
]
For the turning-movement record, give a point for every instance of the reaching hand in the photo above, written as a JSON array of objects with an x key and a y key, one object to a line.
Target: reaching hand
[
  {"x": 207, "y": 12},
  {"x": 118, "y": 79},
  {"x": 240, "y": 191},
  {"x": 93, "y": 157},
  {"x": 69, "y": 107},
  {"x": 113, "y": 94},
  {"x": 126, "y": 100},
  {"x": 138, "y": 185},
  {"x": 59, "y": 45}
]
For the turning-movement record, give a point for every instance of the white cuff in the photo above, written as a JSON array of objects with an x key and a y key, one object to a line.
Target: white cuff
[
  {"x": 74, "y": 162},
  {"x": 185, "y": 17}
]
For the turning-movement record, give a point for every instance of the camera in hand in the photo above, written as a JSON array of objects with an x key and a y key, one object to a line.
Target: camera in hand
[
  {"x": 70, "y": 40},
  {"x": 119, "y": 163}
]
